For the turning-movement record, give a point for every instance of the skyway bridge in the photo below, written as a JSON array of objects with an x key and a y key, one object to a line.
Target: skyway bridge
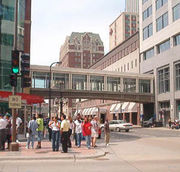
[{"x": 78, "y": 83}]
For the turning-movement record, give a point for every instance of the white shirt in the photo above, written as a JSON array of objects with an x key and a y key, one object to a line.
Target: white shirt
[
  {"x": 18, "y": 121},
  {"x": 3, "y": 124},
  {"x": 78, "y": 128},
  {"x": 54, "y": 126}
]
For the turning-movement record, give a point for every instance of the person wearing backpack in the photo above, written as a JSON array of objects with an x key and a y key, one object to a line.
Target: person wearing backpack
[{"x": 32, "y": 127}]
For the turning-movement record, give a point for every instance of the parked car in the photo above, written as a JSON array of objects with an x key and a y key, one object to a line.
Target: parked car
[
  {"x": 152, "y": 123},
  {"x": 118, "y": 125}
]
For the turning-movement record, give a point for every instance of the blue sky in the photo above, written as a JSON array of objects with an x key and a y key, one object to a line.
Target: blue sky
[{"x": 53, "y": 20}]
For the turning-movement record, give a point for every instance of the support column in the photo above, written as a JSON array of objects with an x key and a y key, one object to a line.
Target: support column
[
  {"x": 138, "y": 114},
  {"x": 130, "y": 114},
  {"x": 88, "y": 82},
  {"x": 121, "y": 85},
  {"x": 137, "y": 85},
  {"x": 105, "y": 83},
  {"x": 70, "y": 81},
  {"x": 25, "y": 119},
  {"x": 124, "y": 117}
]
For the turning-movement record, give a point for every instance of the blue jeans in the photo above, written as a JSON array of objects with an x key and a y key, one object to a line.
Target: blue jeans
[
  {"x": 40, "y": 136},
  {"x": 78, "y": 139},
  {"x": 30, "y": 139},
  {"x": 88, "y": 141},
  {"x": 55, "y": 140}
]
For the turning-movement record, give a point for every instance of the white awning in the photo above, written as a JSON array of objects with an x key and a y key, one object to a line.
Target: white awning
[
  {"x": 89, "y": 111},
  {"x": 112, "y": 108},
  {"x": 77, "y": 111},
  {"x": 94, "y": 111},
  {"x": 83, "y": 111},
  {"x": 132, "y": 107},
  {"x": 125, "y": 106},
  {"x": 118, "y": 108}
]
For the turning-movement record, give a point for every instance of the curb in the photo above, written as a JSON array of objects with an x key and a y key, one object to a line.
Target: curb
[{"x": 70, "y": 157}]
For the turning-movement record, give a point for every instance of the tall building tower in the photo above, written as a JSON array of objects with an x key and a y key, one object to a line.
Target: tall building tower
[
  {"x": 122, "y": 28},
  {"x": 132, "y": 6},
  {"x": 160, "y": 53},
  {"x": 81, "y": 50}
]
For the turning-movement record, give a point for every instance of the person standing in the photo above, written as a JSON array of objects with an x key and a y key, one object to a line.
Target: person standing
[
  {"x": 78, "y": 130},
  {"x": 170, "y": 123},
  {"x": 8, "y": 138},
  {"x": 87, "y": 131},
  {"x": 40, "y": 123},
  {"x": 71, "y": 124},
  {"x": 94, "y": 131},
  {"x": 106, "y": 132},
  {"x": 64, "y": 132},
  {"x": 3, "y": 135},
  {"x": 32, "y": 127},
  {"x": 55, "y": 126}
]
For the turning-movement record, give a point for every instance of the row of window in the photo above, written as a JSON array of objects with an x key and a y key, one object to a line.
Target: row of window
[
  {"x": 120, "y": 54},
  {"x": 164, "y": 79},
  {"x": 7, "y": 39},
  {"x": 127, "y": 66},
  {"x": 161, "y": 22},
  {"x": 161, "y": 47}
]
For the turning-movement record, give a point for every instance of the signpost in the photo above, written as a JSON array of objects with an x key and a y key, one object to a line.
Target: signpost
[{"x": 15, "y": 102}]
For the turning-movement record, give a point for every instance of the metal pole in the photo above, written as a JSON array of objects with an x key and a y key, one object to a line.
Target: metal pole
[
  {"x": 50, "y": 92},
  {"x": 50, "y": 87},
  {"x": 14, "y": 146}
]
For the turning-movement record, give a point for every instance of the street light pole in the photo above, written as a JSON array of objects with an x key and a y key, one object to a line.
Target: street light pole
[{"x": 50, "y": 86}]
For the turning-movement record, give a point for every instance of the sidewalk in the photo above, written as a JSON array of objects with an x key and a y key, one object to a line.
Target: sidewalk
[{"x": 46, "y": 153}]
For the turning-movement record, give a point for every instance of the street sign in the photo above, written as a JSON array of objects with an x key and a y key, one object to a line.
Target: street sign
[{"x": 15, "y": 102}]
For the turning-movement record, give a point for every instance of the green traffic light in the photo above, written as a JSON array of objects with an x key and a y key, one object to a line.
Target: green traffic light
[{"x": 15, "y": 70}]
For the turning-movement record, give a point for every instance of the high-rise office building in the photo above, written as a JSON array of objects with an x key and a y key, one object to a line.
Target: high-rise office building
[
  {"x": 7, "y": 18},
  {"x": 160, "y": 53},
  {"x": 81, "y": 50},
  {"x": 122, "y": 28},
  {"x": 132, "y": 6}
]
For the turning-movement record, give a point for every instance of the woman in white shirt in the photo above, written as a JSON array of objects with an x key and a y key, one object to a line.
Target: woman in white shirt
[{"x": 55, "y": 126}]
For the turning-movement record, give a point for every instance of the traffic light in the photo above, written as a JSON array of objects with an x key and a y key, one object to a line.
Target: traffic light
[
  {"x": 25, "y": 70},
  {"x": 15, "y": 62},
  {"x": 13, "y": 80}
]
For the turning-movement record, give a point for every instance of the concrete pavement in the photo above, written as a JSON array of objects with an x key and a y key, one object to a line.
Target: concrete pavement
[{"x": 46, "y": 153}]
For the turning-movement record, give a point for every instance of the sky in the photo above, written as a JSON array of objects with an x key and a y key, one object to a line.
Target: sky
[{"x": 53, "y": 20}]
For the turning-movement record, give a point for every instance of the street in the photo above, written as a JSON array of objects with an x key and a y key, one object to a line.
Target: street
[{"x": 142, "y": 149}]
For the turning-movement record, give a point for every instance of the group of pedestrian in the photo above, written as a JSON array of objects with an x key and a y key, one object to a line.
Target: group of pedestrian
[{"x": 6, "y": 130}]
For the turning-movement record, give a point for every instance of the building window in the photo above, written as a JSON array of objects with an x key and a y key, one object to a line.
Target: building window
[
  {"x": 135, "y": 62},
  {"x": 131, "y": 64},
  {"x": 128, "y": 66},
  {"x": 176, "y": 12},
  {"x": 147, "y": 31},
  {"x": 162, "y": 22},
  {"x": 177, "y": 40},
  {"x": 177, "y": 68},
  {"x": 144, "y": 86},
  {"x": 164, "y": 82},
  {"x": 7, "y": 39},
  {"x": 147, "y": 12},
  {"x": 164, "y": 46},
  {"x": 160, "y": 3},
  {"x": 124, "y": 67},
  {"x": 148, "y": 54},
  {"x": 7, "y": 12},
  {"x": 129, "y": 85}
]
